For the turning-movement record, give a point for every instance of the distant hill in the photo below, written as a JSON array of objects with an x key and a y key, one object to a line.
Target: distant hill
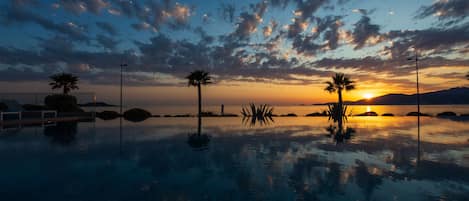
[
  {"x": 459, "y": 95},
  {"x": 97, "y": 104}
]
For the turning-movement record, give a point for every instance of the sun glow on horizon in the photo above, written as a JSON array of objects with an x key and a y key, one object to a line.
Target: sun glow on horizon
[{"x": 368, "y": 95}]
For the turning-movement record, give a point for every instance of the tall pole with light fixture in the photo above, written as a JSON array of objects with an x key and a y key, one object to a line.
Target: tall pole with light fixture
[
  {"x": 120, "y": 119},
  {"x": 418, "y": 103},
  {"x": 122, "y": 69}
]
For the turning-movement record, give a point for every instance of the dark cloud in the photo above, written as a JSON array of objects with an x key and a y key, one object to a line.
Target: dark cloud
[
  {"x": 80, "y": 6},
  {"x": 107, "y": 27},
  {"x": 432, "y": 40},
  {"x": 306, "y": 9},
  {"x": 25, "y": 2},
  {"x": 154, "y": 14},
  {"x": 70, "y": 29},
  {"x": 365, "y": 31},
  {"x": 328, "y": 27},
  {"x": 249, "y": 21},
  {"x": 106, "y": 42},
  {"x": 455, "y": 10},
  {"x": 227, "y": 11},
  {"x": 299, "y": 25}
]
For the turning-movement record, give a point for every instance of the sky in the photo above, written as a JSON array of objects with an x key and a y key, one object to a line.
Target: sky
[{"x": 264, "y": 51}]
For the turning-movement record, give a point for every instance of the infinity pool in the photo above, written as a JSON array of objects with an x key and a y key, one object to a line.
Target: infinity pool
[{"x": 286, "y": 159}]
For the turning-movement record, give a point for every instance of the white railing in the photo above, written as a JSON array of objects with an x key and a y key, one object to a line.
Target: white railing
[{"x": 20, "y": 114}]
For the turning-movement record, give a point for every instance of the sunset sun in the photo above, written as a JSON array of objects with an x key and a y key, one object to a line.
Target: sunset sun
[{"x": 368, "y": 96}]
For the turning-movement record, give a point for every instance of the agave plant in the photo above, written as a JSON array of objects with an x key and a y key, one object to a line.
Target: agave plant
[
  {"x": 336, "y": 112},
  {"x": 263, "y": 110},
  {"x": 262, "y": 114}
]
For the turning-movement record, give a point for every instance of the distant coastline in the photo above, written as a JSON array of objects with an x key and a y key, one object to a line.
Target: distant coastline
[{"x": 453, "y": 96}]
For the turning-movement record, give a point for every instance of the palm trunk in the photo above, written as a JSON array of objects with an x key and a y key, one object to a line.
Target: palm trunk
[
  {"x": 65, "y": 90},
  {"x": 200, "y": 100},
  {"x": 340, "y": 109},
  {"x": 199, "y": 126},
  {"x": 200, "y": 109}
]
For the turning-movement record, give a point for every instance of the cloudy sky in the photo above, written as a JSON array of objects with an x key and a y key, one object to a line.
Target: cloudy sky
[{"x": 271, "y": 51}]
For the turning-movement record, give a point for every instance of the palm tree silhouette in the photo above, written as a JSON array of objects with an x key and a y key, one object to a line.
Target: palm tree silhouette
[
  {"x": 196, "y": 79},
  {"x": 65, "y": 81},
  {"x": 339, "y": 83}
]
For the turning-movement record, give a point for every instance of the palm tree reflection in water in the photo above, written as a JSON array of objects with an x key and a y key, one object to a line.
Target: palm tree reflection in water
[
  {"x": 339, "y": 134},
  {"x": 198, "y": 141}
]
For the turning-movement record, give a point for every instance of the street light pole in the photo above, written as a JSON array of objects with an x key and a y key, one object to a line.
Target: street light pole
[
  {"x": 122, "y": 67},
  {"x": 418, "y": 103}
]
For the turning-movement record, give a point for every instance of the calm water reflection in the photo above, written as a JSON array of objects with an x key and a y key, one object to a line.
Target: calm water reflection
[{"x": 291, "y": 159}]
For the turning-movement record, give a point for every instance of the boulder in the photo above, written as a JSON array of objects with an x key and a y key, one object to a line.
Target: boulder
[
  {"x": 107, "y": 115},
  {"x": 366, "y": 114},
  {"x": 136, "y": 115},
  {"x": 416, "y": 114},
  {"x": 446, "y": 114}
]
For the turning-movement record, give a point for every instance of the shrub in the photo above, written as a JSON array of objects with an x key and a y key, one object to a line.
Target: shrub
[
  {"x": 3, "y": 106},
  {"x": 333, "y": 111},
  {"x": 62, "y": 103},
  {"x": 136, "y": 115},
  {"x": 30, "y": 107}
]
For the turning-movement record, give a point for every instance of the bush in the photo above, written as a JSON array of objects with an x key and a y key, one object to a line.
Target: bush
[
  {"x": 107, "y": 115},
  {"x": 3, "y": 106},
  {"x": 62, "y": 103},
  {"x": 136, "y": 115},
  {"x": 30, "y": 107}
]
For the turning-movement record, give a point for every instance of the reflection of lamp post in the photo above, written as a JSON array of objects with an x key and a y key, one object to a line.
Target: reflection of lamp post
[{"x": 418, "y": 103}]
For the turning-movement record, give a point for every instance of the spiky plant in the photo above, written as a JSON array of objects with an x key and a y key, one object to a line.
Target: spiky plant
[
  {"x": 336, "y": 112},
  {"x": 262, "y": 114}
]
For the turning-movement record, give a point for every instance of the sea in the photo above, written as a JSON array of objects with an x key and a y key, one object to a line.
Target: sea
[{"x": 300, "y": 110}]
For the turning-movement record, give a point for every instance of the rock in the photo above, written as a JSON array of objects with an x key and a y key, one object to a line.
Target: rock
[
  {"x": 229, "y": 115},
  {"x": 388, "y": 114},
  {"x": 370, "y": 113},
  {"x": 289, "y": 115},
  {"x": 136, "y": 115},
  {"x": 107, "y": 115},
  {"x": 317, "y": 114},
  {"x": 446, "y": 114},
  {"x": 416, "y": 114}
]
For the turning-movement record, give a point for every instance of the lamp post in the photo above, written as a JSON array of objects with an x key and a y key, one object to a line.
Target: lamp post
[
  {"x": 418, "y": 103},
  {"x": 122, "y": 67}
]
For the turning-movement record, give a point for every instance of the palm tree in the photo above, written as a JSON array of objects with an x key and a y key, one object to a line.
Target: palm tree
[
  {"x": 196, "y": 79},
  {"x": 339, "y": 83},
  {"x": 65, "y": 81}
]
